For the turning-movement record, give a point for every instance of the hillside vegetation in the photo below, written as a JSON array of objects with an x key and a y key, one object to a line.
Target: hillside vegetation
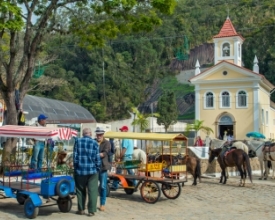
[{"x": 109, "y": 81}]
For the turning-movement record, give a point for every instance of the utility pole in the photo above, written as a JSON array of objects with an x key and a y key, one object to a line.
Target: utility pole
[{"x": 103, "y": 79}]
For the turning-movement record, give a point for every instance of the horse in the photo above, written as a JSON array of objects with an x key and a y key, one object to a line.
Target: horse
[
  {"x": 240, "y": 145},
  {"x": 257, "y": 147},
  {"x": 235, "y": 158},
  {"x": 192, "y": 164},
  {"x": 140, "y": 154}
]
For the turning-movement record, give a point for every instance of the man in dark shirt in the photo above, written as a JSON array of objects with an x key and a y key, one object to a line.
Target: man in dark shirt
[
  {"x": 104, "y": 150},
  {"x": 87, "y": 164}
]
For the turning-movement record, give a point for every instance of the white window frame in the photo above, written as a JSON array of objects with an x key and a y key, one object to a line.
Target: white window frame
[
  {"x": 205, "y": 100},
  {"x": 221, "y": 101},
  {"x": 263, "y": 121},
  {"x": 230, "y": 54},
  {"x": 239, "y": 50},
  {"x": 237, "y": 99}
]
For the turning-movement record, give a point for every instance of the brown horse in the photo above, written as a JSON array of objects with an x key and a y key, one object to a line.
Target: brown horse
[
  {"x": 193, "y": 164},
  {"x": 235, "y": 158}
]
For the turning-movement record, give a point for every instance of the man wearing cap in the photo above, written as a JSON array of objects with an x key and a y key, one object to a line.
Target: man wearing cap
[
  {"x": 127, "y": 146},
  {"x": 39, "y": 145},
  {"x": 104, "y": 150}
]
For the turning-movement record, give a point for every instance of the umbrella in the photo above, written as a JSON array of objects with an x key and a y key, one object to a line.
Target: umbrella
[{"x": 255, "y": 134}]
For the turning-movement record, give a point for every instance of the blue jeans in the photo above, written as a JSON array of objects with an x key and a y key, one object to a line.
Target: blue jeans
[
  {"x": 37, "y": 155},
  {"x": 119, "y": 171},
  {"x": 103, "y": 186}
]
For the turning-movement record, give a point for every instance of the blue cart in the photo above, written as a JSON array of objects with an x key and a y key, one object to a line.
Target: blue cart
[{"x": 29, "y": 187}]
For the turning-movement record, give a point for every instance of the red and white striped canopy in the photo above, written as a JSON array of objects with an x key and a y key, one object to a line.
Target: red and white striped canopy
[{"x": 37, "y": 132}]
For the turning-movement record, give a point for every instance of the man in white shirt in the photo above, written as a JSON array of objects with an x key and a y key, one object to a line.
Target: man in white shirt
[{"x": 39, "y": 145}]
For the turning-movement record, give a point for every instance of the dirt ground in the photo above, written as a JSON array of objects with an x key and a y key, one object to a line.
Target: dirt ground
[{"x": 208, "y": 200}]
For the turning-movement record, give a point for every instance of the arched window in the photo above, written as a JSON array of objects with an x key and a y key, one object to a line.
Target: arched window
[
  {"x": 226, "y": 50},
  {"x": 225, "y": 99},
  {"x": 242, "y": 101},
  {"x": 209, "y": 100}
]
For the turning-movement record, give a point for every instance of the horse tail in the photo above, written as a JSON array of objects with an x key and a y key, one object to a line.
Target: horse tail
[
  {"x": 269, "y": 164},
  {"x": 248, "y": 167},
  {"x": 198, "y": 169}
]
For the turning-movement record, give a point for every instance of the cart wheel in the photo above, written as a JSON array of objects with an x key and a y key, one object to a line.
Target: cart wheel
[
  {"x": 63, "y": 188},
  {"x": 129, "y": 191},
  {"x": 171, "y": 190},
  {"x": 64, "y": 204},
  {"x": 21, "y": 198},
  {"x": 150, "y": 191},
  {"x": 107, "y": 190},
  {"x": 30, "y": 210}
]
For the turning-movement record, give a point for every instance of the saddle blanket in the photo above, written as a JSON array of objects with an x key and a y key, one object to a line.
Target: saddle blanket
[{"x": 228, "y": 152}]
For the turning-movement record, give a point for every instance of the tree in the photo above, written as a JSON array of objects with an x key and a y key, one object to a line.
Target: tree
[
  {"x": 21, "y": 34},
  {"x": 141, "y": 119},
  {"x": 198, "y": 126},
  {"x": 167, "y": 109}
]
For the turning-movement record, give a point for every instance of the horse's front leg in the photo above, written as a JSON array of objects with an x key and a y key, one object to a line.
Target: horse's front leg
[
  {"x": 261, "y": 165},
  {"x": 266, "y": 170},
  {"x": 221, "y": 178},
  {"x": 224, "y": 175}
]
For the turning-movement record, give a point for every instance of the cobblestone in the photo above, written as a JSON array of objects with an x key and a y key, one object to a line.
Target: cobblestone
[{"x": 208, "y": 200}]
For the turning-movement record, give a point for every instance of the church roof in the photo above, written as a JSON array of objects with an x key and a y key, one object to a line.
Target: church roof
[{"x": 227, "y": 30}]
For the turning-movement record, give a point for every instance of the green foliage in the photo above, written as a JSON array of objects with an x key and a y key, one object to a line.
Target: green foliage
[
  {"x": 198, "y": 126},
  {"x": 136, "y": 59},
  {"x": 167, "y": 109},
  {"x": 10, "y": 16},
  {"x": 140, "y": 119}
]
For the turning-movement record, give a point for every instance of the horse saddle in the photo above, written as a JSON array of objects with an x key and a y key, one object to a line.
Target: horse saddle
[
  {"x": 268, "y": 147},
  {"x": 229, "y": 151}
]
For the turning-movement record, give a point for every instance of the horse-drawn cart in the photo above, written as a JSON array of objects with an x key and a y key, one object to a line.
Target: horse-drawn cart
[
  {"x": 156, "y": 176},
  {"x": 28, "y": 186}
]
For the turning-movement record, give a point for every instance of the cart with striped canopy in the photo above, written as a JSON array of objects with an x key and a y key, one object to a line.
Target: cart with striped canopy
[{"x": 28, "y": 186}]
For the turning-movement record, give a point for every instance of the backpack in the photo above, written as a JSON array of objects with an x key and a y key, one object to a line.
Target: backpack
[
  {"x": 21, "y": 119},
  {"x": 112, "y": 151}
]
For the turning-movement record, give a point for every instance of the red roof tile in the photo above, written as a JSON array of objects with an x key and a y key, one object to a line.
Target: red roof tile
[{"x": 227, "y": 30}]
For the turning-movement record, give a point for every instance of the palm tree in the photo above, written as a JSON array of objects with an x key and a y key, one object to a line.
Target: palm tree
[
  {"x": 141, "y": 120},
  {"x": 198, "y": 126}
]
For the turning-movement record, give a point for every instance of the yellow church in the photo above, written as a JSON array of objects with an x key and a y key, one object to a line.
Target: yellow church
[{"x": 231, "y": 99}]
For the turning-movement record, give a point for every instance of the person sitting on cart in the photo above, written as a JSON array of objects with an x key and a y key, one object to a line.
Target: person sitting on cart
[
  {"x": 127, "y": 146},
  {"x": 38, "y": 146},
  {"x": 104, "y": 151}
]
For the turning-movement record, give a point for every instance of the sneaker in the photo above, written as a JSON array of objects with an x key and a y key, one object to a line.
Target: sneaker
[
  {"x": 80, "y": 212},
  {"x": 91, "y": 214},
  {"x": 102, "y": 208}
]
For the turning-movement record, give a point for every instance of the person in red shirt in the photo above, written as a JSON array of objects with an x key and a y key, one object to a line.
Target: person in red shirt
[{"x": 198, "y": 142}]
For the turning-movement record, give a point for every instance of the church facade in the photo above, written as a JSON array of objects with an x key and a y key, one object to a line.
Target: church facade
[{"x": 229, "y": 98}]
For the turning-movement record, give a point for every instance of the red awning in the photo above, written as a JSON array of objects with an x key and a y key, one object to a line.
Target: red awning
[{"x": 36, "y": 132}]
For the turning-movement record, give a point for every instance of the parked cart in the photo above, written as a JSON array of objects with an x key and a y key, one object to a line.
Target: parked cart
[
  {"x": 163, "y": 175},
  {"x": 29, "y": 186}
]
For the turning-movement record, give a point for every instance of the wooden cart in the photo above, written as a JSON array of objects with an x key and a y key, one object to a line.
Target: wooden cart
[{"x": 152, "y": 177}]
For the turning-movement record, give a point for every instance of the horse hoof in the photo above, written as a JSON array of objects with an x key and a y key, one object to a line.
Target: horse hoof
[
  {"x": 265, "y": 178},
  {"x": 260, "y": 178}
]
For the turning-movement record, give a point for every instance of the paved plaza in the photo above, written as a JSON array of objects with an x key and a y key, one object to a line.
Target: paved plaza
[{"x": 208, "y": 200}]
